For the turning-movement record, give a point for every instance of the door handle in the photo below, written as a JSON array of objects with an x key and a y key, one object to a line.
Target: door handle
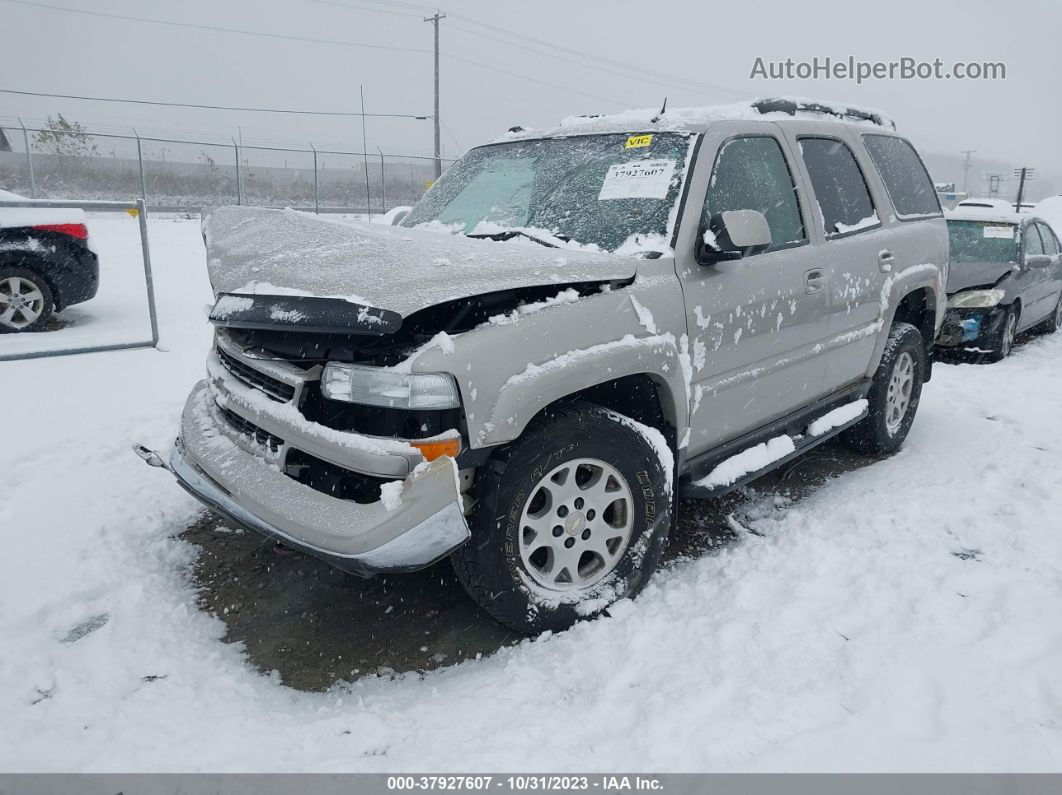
[
  {"x": 885, "y": 260},
  {"x": 814, "y": 280}
]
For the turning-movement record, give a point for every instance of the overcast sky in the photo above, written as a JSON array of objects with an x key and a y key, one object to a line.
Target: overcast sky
[{"x": 713, "y": 44}]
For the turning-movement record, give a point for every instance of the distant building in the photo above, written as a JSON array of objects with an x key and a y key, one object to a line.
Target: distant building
[{"x": 5, "y": 145}]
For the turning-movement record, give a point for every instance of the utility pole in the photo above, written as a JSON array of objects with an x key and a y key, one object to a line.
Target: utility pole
[
  {"x": 438, "y": 138},
  {"x": 966, "y": 170},
  {"x": 1023, "y": 174},
  {"x": 365, "y": 155}
]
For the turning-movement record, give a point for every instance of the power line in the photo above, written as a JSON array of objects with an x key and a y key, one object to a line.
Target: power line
[
  {"x": 629, "y": 74},
  {"x": 578, "y": 58},
  {"x": 641, "y": 70},
  {"x": 215, "y": 107},
  {"x": 367, "y": 8},
  {"x": 215, "y": 28}
]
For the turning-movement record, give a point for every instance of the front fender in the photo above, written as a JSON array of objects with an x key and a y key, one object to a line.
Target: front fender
[{"x": 511, "y": 369}]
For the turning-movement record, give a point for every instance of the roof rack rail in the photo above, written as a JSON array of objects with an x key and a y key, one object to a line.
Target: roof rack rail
[{"x": 792, "y": 107}]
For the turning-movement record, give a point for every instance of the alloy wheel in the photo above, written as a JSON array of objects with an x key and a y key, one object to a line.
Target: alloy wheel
[
  {"x": 21, "y": 302},
  {"x": 898, "y": 394},
  {"x": 576, "y": 525}
]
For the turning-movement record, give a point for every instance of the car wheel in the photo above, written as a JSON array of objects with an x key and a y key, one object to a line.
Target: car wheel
[
  {"x": 570, "y": 518},
  {"x": 894, "y": 394},
  {"x": 25, "y": 300},
  {"x": 1007, "y": 334}
]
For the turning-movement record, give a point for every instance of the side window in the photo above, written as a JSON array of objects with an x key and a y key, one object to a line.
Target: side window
[
  {"x": 1032, "y": 241},
  {"x": 751, "y": 174},
  {"x": 904, "y": 175},
  {"x": 1048, "y": 238},
  {"x": 839, "y": 186}
]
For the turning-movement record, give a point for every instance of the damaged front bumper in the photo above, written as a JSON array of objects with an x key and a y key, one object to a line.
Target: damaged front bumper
[
  {"x": 978, "y": 327},
  {"x": 418, "y": 521}
]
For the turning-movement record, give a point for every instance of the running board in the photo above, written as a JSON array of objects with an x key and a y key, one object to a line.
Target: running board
[{"x": 803, "y": 444}]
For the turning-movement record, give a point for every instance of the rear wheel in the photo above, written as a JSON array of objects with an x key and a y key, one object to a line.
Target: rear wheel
[
  {"x": 894, "y": 394},
  {"x": 25, "y": 300},
  {"x": 570, "y": 518}
]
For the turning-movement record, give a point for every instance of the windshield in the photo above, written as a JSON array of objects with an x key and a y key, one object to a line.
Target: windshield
[
  {"x": 600, "y": 190},
  {"x": 983, "y": 241}
]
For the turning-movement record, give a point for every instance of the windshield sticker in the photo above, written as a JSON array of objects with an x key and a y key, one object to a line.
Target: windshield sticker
[
  {"x": 638, "y": 141},
  {"x": 1001, "y": 232},
  {"x": 642, "y": 179}
]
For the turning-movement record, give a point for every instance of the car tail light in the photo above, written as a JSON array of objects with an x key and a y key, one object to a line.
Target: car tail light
[{"x": 80, "y": 231}]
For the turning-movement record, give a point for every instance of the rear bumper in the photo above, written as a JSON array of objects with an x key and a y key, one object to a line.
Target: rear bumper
[{"x": 420, "y": 521}]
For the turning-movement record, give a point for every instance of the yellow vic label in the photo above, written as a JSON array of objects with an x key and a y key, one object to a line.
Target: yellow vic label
[{"x": 637, "y": 141}]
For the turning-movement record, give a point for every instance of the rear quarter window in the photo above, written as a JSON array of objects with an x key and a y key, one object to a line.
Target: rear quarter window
[{"x": 905, "y": 177}]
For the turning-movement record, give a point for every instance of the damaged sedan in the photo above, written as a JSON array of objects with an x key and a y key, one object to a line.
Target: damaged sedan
[{"x": 1005, "y": 279}]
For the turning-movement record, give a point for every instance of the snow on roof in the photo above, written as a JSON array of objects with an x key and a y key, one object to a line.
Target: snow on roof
[
  {"x": 697, "y": 119},
  {"x": 1050, "y": 209},
  {"x": 999, "y": 215}
]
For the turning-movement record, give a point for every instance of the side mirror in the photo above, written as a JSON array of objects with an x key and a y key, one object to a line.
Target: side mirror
[
  {"x": 733, "y": 234},
  {"x": 1038, "y": 260}
]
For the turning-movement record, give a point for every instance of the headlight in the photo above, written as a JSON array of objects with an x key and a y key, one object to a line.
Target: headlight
[
  {"x": 375, "y": 386},
  {"x": 975, "y": 299}
]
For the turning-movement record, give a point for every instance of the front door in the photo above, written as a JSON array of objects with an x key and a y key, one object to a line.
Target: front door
[{"x": 754, "y": 323}]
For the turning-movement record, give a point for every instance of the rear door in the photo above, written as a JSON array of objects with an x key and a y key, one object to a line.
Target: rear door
[
  {"x": 856, "y": 254},
  {"x": 755, "y": 324}
]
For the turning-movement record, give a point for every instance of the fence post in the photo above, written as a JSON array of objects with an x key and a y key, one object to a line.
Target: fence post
[
  {"x": 239, "y": 182},
  {"x": 140, "y": 160},
  {"x": 383, "y": 183},
  {"x": 141, "y": 214},
  {"x": 29, "y": 160},
  {"x": 316, "y": 186}
]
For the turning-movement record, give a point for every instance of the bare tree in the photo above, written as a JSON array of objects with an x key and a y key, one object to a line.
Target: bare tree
[{"x": 62, "y": 137}]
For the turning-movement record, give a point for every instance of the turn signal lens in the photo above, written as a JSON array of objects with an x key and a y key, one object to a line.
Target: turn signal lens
[{"x": 437, "y": 449}]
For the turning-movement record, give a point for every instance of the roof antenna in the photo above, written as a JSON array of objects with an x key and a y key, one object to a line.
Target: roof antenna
[{"x": 663, "y": 110}]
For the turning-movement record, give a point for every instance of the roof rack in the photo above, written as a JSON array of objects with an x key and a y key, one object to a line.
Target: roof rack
[{"x": 792, "y": 107}]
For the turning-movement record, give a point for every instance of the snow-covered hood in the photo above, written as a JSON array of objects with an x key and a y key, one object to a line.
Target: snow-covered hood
[
  {"x": 253, "y": 251},
  {"x": 964, "y": 275}
]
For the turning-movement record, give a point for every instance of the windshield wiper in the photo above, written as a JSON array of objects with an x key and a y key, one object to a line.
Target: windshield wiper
[{"x": 509, "y": 234}]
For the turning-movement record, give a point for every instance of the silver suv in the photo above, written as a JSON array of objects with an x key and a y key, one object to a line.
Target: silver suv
[{"x": 571, "y": 328}]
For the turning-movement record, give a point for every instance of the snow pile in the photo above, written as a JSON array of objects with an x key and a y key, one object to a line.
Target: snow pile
[
  {"x": 746, "y": 462},
  {"x": 841, "y": 415}
]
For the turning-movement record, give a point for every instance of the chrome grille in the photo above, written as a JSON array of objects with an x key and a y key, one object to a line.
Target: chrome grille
[{"x": 255, "y": 379}]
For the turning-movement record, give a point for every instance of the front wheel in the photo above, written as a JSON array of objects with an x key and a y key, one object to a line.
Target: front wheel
[
  {"x": 894, "y": 394},
  {"x": 570, "y": 518},
  {"x": 1008, "y": 332}
]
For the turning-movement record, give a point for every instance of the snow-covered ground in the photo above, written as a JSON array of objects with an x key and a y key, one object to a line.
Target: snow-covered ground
[
  {"x": 119, "y": 312},
  {"x": 905, "y": 616}
]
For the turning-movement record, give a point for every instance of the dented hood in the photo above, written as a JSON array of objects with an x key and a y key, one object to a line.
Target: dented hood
[
  {"x": 253, "y": 251},
  {"x": 964, "y": 275}
]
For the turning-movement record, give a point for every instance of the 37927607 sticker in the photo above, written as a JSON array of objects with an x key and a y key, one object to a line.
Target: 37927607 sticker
[{"x": 640, "y": 179}]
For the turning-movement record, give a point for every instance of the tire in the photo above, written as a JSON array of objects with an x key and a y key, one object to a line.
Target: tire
[
  {"x": 26, "y": 300},
  {"x": 1008, "y": 332},
  {"x": 1053, "y": 323},
  {"x": 894, "y": 394},
  {"x": 513, "y": 565}
]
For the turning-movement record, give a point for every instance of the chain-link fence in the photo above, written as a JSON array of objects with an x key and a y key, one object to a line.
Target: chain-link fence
[{"x": 182, "y": 174}]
